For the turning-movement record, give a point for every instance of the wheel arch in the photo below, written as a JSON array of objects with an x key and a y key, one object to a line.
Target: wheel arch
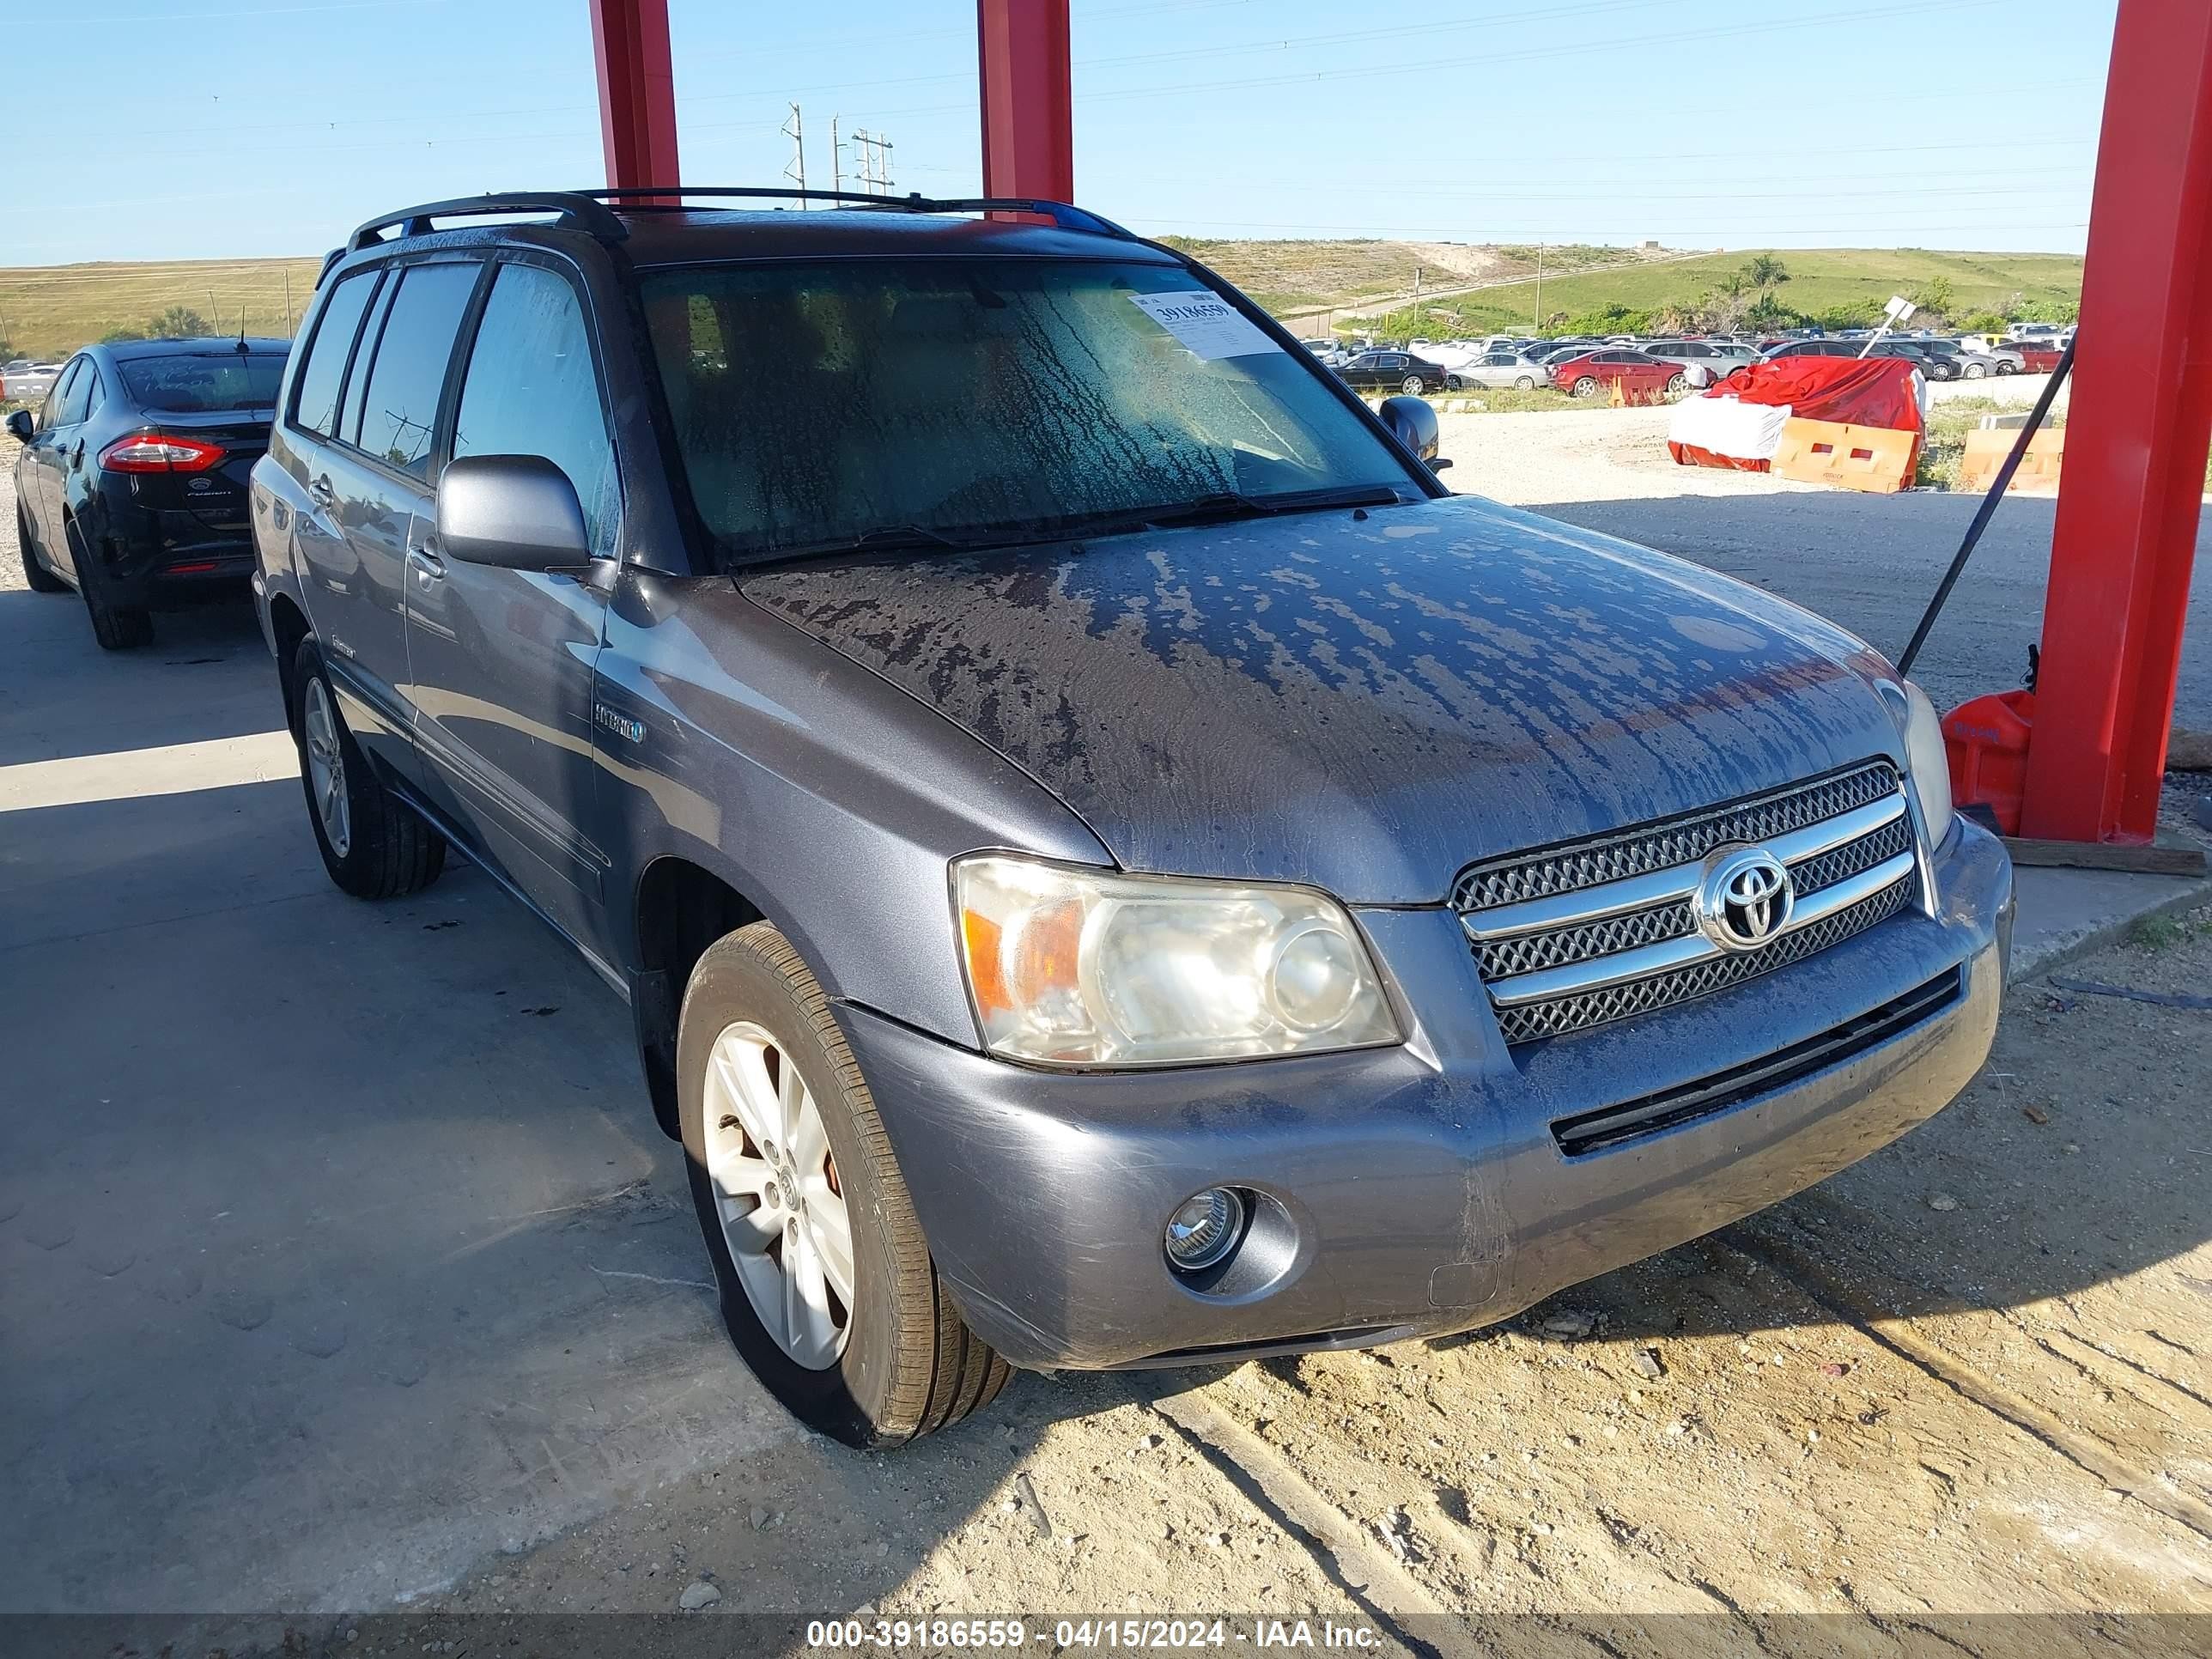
[
  {"x": 679, "y": 906},
  {"x": 288, "y": 626}
]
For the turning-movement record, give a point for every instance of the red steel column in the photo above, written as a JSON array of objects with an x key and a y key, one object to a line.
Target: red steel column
[
  {"x": 2137, "y": 433},
  {"x": 1028, "y": 131},
  {"x": 637, "y": 92}
]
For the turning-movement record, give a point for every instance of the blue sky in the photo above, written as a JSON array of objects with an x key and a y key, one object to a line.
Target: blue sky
[{"x": 213, "y": 128}]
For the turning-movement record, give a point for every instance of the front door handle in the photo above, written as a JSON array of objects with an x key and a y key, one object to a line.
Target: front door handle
[
  {"x": 428, "y": 566},
  {"x": 320, "y": 493}
]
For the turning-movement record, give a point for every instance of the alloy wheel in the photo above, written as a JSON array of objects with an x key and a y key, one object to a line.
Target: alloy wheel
[
  {"x": 777, "y": 1195},
  {"x": 326, "y": 769}
]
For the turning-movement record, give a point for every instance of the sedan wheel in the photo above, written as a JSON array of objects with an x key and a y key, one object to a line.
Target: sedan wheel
[
  {"x": 1585, "y": 387},
  {"x": 1677, "y": 384},
  {"x": 1413, "y": 385},
  {"x": 1526, "y": 383},
  {"x": 777, "y": 1194}
]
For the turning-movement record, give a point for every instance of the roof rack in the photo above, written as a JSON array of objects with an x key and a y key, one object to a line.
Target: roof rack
[
  {"x": 577, "y": 210},
  {"x": 1062, "y": 214}
]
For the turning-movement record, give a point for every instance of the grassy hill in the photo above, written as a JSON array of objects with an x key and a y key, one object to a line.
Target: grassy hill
[
  {"x": 1820, "y": 279},
  {"x": 46, "y": 311}
]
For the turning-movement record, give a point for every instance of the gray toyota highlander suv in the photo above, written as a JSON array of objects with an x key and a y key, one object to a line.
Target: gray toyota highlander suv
[{"x": 1111, "y": 864}]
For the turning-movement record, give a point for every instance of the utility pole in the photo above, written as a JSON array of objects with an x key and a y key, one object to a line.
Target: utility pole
[
  {"x": 1540, "y": 287},
  {"x": 836, "y": 156},
  {"x": 795, "y": 130},
  {"x": 875, "y": 161},
  {"x": 287, "y": 302}
]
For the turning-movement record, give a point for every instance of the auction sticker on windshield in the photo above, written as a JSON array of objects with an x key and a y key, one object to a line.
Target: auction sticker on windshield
[{"x": 1205, "y": 323}]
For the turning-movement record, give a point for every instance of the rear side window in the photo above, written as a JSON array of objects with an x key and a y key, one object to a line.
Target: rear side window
[
  {"x": 316, "y": 405},
  {"x": 399, "y": 416},
  {"x": 531, "y": 390},
  {"x": 186, "y": 384}
]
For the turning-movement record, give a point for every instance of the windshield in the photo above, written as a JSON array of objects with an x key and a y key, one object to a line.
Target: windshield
[
  {"x": 976, "y": 399},
  {"x": 204, "y": 385}
]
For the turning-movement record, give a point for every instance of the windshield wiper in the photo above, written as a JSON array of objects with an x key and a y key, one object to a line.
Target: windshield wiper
[
  {"x": 888, "y": 537},
  {"x": 1229, "y": 504}
]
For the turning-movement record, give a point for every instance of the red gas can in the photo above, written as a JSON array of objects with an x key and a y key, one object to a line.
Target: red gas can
[{"x": 1986, "y": 742}]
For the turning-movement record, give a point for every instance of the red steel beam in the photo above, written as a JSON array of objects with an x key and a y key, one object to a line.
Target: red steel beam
[
  {"x": 637, "y": 92},
  {"x": 1028, "y": 130},
  {"x": 2136, "y": 436}
]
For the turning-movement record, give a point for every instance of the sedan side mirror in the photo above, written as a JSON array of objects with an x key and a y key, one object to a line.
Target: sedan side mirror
[
  {"x": 19, "y": 423},
  {"x": 517, "y": 512},
  {"x": 1413, "y": 423}
]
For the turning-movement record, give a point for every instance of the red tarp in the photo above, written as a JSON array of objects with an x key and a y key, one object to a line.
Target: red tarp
[
  {"x": 1858, "y": 391},
  {"x": 1862, "y": 391}
]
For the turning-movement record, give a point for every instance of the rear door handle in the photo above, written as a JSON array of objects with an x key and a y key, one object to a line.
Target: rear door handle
[{"x": 428, "y": 567}]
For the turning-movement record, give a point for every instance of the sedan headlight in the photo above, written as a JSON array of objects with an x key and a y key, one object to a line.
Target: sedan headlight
[
  {"x": 1072, "y": 966},
  {"x": 1927, "y": 761}
]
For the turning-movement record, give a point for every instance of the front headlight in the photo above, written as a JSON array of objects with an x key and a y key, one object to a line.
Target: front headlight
[
  {"x": 1927, "y": 761},
  {"x": 1081, "y": 967}
]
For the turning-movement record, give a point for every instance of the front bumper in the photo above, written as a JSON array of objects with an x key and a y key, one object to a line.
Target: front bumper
[{"x": 1421, "y": 1188}]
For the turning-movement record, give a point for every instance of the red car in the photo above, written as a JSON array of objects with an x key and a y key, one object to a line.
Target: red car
[{"x": 1642, "y": 378}]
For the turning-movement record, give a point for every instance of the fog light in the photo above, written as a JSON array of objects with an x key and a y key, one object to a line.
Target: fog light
[{"x": 1205, "y": 1229}]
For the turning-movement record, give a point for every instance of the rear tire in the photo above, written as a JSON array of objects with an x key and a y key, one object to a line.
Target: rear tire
[
  {"x": 36, "y": 574},
  {"x": 1413, "y": 385},
  {"x": 1526, "y": 383},
  {"x": 374, "y": 844},
  {"x": 902, "y": 1363},
  {"x": 1585, "y": 387}
]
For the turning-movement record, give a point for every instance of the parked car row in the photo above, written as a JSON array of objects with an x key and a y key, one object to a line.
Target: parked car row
[
  {"x": 22, "y": 381},
  {"x": 1075, "y": 912},
  {"x": 1502, "y": 361}
]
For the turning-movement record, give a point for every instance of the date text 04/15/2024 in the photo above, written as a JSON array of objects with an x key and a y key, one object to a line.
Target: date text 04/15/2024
[{"x": 892, "y": 1635}]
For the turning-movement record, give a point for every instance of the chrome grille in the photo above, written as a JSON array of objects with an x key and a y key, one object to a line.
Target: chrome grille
[
  {"x": 1582, "y": 934},
  {"x": 1679, "y": 841}
]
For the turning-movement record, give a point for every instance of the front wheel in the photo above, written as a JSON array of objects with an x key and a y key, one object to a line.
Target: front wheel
[
  {"x": 1414, "y": 385},
  {"x": 374, "y": 844},
  {"x": 1677, "y": 384},
  {"x": 828, "y": 1289},
  {"x": 36, "y": 574},
  {"x": 1974, "y": 371}
]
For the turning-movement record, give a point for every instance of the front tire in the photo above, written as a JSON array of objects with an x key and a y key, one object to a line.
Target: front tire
[
  {"x": 1974, "y": 371},
  {"x": 787, "y": 1159},
  {"x": 36, "y": 574},
  {"x": 374, "y": 844}
]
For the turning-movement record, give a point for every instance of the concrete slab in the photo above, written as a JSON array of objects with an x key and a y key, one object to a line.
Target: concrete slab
[
  {"x": 338, "y": 1248},
  {"x": 2068, "y": 912}
]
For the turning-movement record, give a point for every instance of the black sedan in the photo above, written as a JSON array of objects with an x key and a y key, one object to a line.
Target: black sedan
[
  {"x": 1392, "y": 370},
  {"x": 130, "y": 485}
]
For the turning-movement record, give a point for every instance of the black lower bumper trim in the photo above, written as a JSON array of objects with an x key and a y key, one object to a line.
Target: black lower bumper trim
[{"x": 1610, "y": 1126}]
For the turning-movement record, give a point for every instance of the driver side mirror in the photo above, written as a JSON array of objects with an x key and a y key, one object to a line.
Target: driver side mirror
[
  {"x": 517, "y": 512},
  {"x": 20, "y": 425},
  {"x": 1413, "y": 423}
]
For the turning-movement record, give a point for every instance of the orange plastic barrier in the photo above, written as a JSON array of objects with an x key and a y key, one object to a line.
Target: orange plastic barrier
[
  {"x": 1876, "y": 458},
  {"x": 1986, "y": 449}
]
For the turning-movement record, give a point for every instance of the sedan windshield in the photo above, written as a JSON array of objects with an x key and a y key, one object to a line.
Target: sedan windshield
[
  {"x": 963, "y": 401},
  {"x": 204, "y": 384}
]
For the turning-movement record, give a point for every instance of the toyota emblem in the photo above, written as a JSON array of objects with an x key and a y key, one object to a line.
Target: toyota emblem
[{"x": 1744, "y": 899}]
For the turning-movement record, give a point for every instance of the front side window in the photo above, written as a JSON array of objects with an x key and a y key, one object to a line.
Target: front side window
[
  {"x": 976, "y": 399},
  {"x": 204, "y": 383},
  {"x": 531, "y": 390},
  {"x": 315, "y": 405},
  {"x": 400, "y": 411},
  {"x": 76, "y": 394}
]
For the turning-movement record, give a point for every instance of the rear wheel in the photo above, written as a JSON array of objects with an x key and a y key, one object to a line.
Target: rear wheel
[
  {"x": 116, "y": 627},
  {"x": 826, "y": 1288},
  {"x": 374, "y": 844},
  {"x": 1414, "y": 385},
  {"x": 40, "y": 578},
  {"x": 1585, "y": 387},
  {"x": 1526, "y": 383}
]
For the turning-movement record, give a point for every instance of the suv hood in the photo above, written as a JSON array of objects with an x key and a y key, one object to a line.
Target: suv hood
[{"x": 1364, "y": 703}]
